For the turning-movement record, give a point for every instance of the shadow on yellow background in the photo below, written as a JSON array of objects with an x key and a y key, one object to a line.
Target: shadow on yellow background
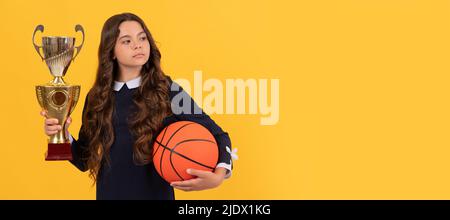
[{"x": 363, "y": 93}]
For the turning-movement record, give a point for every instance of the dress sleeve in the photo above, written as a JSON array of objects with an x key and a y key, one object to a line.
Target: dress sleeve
[{"x": 80, "y": 147}]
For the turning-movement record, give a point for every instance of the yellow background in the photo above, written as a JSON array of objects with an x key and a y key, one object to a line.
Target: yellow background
[{"x": 363, "y": 93}]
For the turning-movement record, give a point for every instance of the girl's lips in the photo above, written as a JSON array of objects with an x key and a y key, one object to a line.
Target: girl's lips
[{"x": 138, "y": 55}]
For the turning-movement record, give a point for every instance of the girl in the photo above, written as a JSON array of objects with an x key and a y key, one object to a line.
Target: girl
[{"x": 128, "y": 105}]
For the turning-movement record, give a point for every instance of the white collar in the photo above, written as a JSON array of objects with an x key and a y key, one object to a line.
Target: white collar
[{"x": 131, "y": 84}]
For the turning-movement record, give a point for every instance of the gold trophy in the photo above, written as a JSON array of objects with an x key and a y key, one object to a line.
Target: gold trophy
[{"x": 58, "y": 97}]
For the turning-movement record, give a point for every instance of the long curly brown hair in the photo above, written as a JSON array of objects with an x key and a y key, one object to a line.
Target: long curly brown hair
[{"x": 151, "y": 100}]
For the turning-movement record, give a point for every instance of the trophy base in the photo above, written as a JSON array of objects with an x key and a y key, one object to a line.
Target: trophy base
[{"x": 59, "y": 152}]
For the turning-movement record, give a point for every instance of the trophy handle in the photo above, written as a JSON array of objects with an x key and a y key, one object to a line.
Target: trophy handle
[
  {"x": 38, "y": 28},
  {"x": 40, "y": 96},
  {"x": 79, "y": 28},
  {"x": 76, "y": 95}
]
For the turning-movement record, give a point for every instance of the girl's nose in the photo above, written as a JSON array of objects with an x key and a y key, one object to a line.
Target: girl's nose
[{"x": 137, "y": 46}]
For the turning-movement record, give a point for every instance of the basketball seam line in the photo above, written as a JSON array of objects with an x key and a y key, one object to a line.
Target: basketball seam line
[
  {"x": 168, "y": 141},
  {"x": 184, "y": 156},
  {"x": 162, "y": 138},
  {"x": 162, "y": 153},
  {"x": 179, "y": 154}
]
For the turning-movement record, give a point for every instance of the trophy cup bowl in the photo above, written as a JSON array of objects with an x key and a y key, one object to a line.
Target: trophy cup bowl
[{"x": 58, "y": 97}]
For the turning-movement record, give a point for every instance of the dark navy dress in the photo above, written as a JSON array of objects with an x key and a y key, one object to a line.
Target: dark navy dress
[{"x": 122, "y": 178}]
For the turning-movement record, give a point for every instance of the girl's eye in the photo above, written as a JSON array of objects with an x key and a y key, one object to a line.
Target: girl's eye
[
  {"x": 143, "y": 38},
  {"x": 126, "y": 41}
]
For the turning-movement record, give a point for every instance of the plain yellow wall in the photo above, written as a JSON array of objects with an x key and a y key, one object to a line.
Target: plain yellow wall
[{"x": 363, "y": 93}]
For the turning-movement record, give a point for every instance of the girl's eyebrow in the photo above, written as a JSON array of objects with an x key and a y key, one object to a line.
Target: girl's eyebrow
[
  {"x": 124, "y": 36},
  {"x": 142, "y": 32}
]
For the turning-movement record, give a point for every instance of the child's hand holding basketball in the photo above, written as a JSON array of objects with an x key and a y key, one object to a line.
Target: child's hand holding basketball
[{"x": 204, "y": 180}]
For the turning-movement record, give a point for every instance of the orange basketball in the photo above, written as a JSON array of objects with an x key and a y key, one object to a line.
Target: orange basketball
[{"x": 183, "y": 145}]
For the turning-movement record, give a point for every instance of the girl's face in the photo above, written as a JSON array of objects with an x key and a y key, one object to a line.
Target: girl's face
[{"x": 132, "y": 47}]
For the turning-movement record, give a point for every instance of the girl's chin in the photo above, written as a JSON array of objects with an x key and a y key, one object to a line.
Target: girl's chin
[
  {"x": 140, "y": 63},
  {"x": 137, "y": 62}
]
